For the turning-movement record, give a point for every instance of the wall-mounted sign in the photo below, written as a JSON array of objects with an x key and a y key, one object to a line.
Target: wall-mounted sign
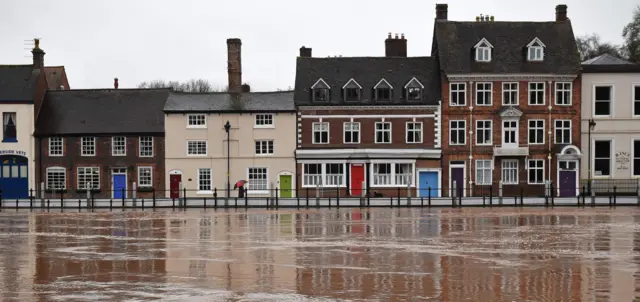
[
  {"x": 13, "y": 152},
  {"x": 622, "y": 161}
]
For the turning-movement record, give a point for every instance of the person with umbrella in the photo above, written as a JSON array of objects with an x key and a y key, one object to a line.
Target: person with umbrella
[{"x": 240, "y": 184}]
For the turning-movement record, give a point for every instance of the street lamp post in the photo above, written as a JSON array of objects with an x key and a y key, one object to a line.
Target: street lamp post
[
  {"x": 592, "y": 125},
  {"x": 227, "y": 127}
]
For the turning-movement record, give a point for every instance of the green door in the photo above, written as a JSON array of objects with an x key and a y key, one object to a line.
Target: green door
[{"x": 285, "y": 186}]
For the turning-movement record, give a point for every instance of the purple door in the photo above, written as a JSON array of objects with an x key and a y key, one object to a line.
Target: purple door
[
  {"x": 567, "y": 183},
  {"x": 457, "y": 175}
]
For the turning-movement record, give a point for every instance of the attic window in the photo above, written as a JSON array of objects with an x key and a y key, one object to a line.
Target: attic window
[
  {"x": 382, "y": 91},
  {"x": 351, "y": 90},
  {"x": 320, "y": 91},
  {"x": 535, "y": 50},
  {"x": 414, "y": 90},
  {"x": 483, "y": 51}
]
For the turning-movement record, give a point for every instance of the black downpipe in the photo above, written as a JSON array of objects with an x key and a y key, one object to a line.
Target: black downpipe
[{"x": 40, "y": 171}]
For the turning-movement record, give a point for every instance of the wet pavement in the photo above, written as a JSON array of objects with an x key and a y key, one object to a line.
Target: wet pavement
[{"x": 473, "y": 254}]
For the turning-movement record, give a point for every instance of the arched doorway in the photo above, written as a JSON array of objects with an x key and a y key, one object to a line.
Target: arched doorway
[{"x": 14, "y": 178}]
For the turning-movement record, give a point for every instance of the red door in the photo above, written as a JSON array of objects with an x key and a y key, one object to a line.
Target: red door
[
  {"x": 357, "y": 177},
  {"x": 174, "y": 184}
]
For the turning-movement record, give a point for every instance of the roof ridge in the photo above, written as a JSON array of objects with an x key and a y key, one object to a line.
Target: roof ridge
[
  {"x": 228, "y": 92},
  {"x": 104, "y": 89},
  {"x": 369, "y": 57},
  {"x": 15, "y": 65}
]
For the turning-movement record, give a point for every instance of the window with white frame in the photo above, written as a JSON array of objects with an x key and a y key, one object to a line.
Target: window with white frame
[
  {"x": 509, "y": 171},
  {"x": 351, "y": 133},
  {"x": 264, "y": 147},
  {"x": 484, "y": 132},
  {"x": 414, "y": 93},
  {"x": 88, "y": 176},
  {"x": 383, "y": 132},
  {"x": 387, "y": 174},
  {"x": 56, "y": 178},
  {"x": 510, "y": 94},
  {"x": 457, "y": 130},
  {"x": 484, "y": 95},
  {"x": 10, "y": 132},
  {"x": 88, "y": 144},
  {"x": 146, "y": 146},
  {"x": 258, "y": 179},
  {"x": 204, "y": 179},
  {"x": 264, "y": 120},
  {"x": 312, "y": 174},
  {"x": 536, "y": 93},
  {"x": 118, "y": 146},
  {"x": 602, "y": 157},
  {"x": 536, "y": 171},
  {"x": 602, "y": 100},
  {"x": 56, "y": 146},
  {"x": 414, "y": 132},
  {"x": 563, "y": 131},
  {"x": 636, "y": 100},
  {"x": 483, "y": 51},
  {"x": 145, "y": 177},
  {"x": 196, "y": 147},
  {"x": 457, "y": 94},
  {"x": 563, "y": 93},
  {"x": 535, "y": 52},
  {"x": 321, "y": 133},
  {"x": 197, "y": 120},
  {"x": 510, "y": 132},
  {"x": 484, "y": 170},
  {"x": 334, "y": 174},
  {"x": 636, "y": 157},
  {"x": 536, "y": 132}
]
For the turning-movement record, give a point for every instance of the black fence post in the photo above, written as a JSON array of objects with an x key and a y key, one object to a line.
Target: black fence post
[
  {"x": 79, "y": 204},
  {"x": 338, "y": 196},
  {"x": 297, "y": 199},
  {"x": 584, "y": 193},
  {"x": 143, "y": 203},
  {"x": 48, "y": 204},
  {"x": 398, "y": 195},
  {"x": 553, "y": 194},
  {"x": 111, "y": 204},
  {"x": 184, "y": 197},
  {"x": 521, "y": 196},
  {"x": 123, "y": 196},
  {"x": 246, "y": 198},
  {"x": 307, "y": 197},
  {"x": 153, "y": 197},
  {"x": 490, "y": 195},
  {"x": 31, "y": 199},
  {"x": 429, "y": 196},
  {"x": 615, "y": 195},
  {"x": 215, "y": 198},
  {"x": 277, "y": 203}
]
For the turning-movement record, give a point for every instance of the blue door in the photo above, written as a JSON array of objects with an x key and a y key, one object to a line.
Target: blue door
[
  {"x": 119, "y": 186},
  {"x": 14, "y": 178},
  {"x": 426, "y": 180}
]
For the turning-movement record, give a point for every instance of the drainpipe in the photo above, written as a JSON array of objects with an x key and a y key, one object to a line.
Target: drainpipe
[
  {"x": 470, "y": 138},
  {"x": 40, "y": 174},
  {"x": 551, "y": 126}
]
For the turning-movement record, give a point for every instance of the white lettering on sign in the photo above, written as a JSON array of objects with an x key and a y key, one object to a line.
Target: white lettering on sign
[{"x": 14, "y": 152}]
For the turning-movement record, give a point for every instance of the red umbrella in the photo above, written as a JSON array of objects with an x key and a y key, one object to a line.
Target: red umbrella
[{"x": 239, "y": 184}]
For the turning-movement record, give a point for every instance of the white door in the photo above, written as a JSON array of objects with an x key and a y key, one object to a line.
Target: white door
[{"x": 509, "y": 133}]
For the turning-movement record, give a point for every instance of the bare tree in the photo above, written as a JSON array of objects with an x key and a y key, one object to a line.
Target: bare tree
[
  {"x": 193, "y": 85},
  {"x": 590, "y": 46}
]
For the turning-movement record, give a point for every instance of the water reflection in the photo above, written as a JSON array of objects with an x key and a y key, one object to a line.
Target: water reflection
[{"x": 351, "y": 254}]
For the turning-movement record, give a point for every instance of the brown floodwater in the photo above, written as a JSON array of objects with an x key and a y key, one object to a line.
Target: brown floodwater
[{"x": 506, "y": 254}]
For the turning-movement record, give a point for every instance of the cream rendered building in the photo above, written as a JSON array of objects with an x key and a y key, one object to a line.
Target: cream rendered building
[
  {"x": 260, "y": 149},
  {"x": 611, "y": 101}
]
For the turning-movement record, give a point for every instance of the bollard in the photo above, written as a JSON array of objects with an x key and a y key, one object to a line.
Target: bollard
[
  {"x": 593, "y": 197},
  {"x": 453, "y": 194},
  {"x": 409, "y": 194},
  {"x": 42, "y": 194},
  {"x": 500, "y": 192},
  {"x": 215, "y": 198}
]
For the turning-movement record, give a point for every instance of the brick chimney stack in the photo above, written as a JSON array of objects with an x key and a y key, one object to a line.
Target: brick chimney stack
[
  {"x": 38, "y": 55},
  {"x": 442, "y": 11},
  {"x": 395, "y": 47},
  {"x": 234, "y": 65},
  {"x": 561, "y": 13},
  {"x": 115, "y": 83},
  {"x": 305, "y": 52}
]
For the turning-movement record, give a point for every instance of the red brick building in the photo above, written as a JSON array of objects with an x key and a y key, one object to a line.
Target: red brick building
[
  {"x": 510, "y": 104},
  {"x": 368, "y": 124},
  {"x": 105, "y": 139}
]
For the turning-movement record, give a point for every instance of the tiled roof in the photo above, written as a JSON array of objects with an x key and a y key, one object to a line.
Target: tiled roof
[
  {"x": 454, "y": 42},
  {"x": 17, "y": 83},
  {"x": 102, "y": 111},
  {"x": 367, "y": 72},
  {"x": 227, "y": 102},
  {"x": 55, "y": 77}
]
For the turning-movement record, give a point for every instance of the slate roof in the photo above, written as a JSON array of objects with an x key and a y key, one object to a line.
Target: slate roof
[
  {"x": 17, "y": 83},
  {"x": 367, "y": 71},
  {"x": 455, "y": 40},
  {"x": 102, "y": 111},
  {"x": 605, "y": 59},
  {"x": 607, "y": 63},
  {"x": 55, "y": 77},
  {"x": 277, "y": 101}
]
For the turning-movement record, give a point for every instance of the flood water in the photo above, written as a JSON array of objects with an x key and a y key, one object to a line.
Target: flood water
[{"x": 505, "y": 254}]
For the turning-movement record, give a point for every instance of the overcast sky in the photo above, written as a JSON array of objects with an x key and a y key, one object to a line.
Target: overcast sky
[{"x": 139, "y": 40}]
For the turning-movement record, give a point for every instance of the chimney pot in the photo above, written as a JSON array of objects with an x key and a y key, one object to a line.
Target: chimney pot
[
  {"x": 402, "y": 36},
  {"x": 561, "y": 12},
  {"x": 305, "y": 52},
  {"x": 234, "y": 65},
  {"x": 38, "y": 55},
  {"x": 246, "y": 88},
  {"x": 115, "y": 83},
  {"x": 389, "y": 36},
  {"x": 441, "y": 11},
  {"x": 492, "y": 19}
]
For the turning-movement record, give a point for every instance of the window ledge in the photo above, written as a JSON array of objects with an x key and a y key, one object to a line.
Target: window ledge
[
  {"x": 321, "y": 187},
  {"x": 264, "y": 127},
  {"x": 392, "y": 186},
  {"x": 10, "y": 140},
  {"x": 197, "y": 127},
  {"x": 256, "y": 192},
  {"x": 266, "y": 155},
  {"x": 204, "y": 192}
]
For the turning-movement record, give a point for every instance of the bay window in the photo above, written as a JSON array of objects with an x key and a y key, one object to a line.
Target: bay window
[
  {"x": 392, "y": 174},
  {"x": 323, "y": 174}
]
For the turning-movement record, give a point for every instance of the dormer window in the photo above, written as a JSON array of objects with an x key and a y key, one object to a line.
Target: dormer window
[
  {"x": 320, "y": 91},
  {"x": 535, "y": 50},
  {"x": 382, "y": 91},
  {"x": 352, "y": 90},
  {"x": 414, "y": 90},
  {"x": 483, "y": 51}
]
